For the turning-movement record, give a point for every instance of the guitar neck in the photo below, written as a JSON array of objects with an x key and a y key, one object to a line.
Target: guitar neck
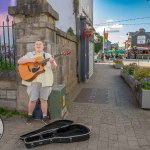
[
  {"x": 47, "y": 59},
  {"x": 44, "y": 61}
]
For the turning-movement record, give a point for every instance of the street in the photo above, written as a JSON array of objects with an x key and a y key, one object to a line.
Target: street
[{"x": 116, "y": 120}]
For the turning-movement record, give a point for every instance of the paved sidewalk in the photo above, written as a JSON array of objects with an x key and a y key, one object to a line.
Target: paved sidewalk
[{"x": 118, "y": 124}]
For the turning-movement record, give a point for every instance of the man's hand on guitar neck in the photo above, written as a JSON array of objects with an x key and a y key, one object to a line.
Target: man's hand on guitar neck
[
  {"x": 51, "y": 60},
  {"x": 53, "y": 63}
]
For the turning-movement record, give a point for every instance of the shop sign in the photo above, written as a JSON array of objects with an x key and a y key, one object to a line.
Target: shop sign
[{"x": 141, "y": 39}]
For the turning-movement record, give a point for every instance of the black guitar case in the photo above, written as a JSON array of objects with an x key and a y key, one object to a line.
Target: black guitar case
[
  {"x": 52, "y": 126},
  {"x": 66, "y": 133}
]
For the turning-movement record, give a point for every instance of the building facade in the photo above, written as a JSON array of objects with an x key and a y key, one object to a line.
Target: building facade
[
  {"x": 86, "y": 10},
  {"x": 68, "y": 19},
  {"x": 139, "y": 40}
]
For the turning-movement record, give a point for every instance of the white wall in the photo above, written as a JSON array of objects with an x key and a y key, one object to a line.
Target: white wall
[
  {"x": 65, "y": 11},
  {"x": 87, "y": 5}
]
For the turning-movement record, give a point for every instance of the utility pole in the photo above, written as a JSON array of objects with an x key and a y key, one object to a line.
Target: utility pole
[
  {"x": 103, "y": 53},
  {"x": 105, "y": 35}
]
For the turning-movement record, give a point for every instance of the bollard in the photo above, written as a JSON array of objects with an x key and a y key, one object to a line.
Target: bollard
[{"x": 57, "y": 103}]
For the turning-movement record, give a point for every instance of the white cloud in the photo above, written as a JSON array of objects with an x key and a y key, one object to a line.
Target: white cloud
[
  {"x": 122, "y": 36},
  {"x": 109, "y": 28},
  {"x": 116, "y": 26},
  {"x": 114, "y": 37},
  {"x": 110, "y": 20}
]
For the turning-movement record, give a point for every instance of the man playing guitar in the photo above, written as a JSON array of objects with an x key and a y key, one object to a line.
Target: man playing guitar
[{"x": 40, "y": 87}]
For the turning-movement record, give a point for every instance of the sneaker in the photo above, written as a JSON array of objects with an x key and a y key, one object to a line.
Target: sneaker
[
  {"x": 46, "y": 120},
  {"x": 29, "y": 120}
]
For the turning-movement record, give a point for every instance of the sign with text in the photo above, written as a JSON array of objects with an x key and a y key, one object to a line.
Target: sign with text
[{"x": 141, "y": 39}]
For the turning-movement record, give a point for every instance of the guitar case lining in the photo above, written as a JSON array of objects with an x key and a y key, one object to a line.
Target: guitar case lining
[{"x": 61, "y": 134}]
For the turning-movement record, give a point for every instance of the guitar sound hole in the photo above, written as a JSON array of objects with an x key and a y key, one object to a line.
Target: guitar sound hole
[{"x": 35, "y": 69}]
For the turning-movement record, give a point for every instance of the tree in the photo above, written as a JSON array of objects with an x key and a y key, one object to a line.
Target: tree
[
  {"x": 70, "y": 31},
  {"x": 99, "y": 45}
]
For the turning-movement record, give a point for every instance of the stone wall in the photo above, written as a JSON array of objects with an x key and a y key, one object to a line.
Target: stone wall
[
  {"x": 34, "y": 20},
  {"x": 8, "y": 89}
]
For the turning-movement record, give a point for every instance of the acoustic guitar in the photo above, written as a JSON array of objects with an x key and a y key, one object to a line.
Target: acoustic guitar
[{"x": 29, "y": 71}]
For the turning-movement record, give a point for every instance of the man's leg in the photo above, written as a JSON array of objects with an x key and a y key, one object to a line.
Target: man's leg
[
  {"x": 44, "y": 107},
  {"x": 31, "y": 106}
]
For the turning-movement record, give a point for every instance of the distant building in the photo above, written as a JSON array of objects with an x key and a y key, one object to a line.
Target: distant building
[
  {"x": 108, "y": 45},
  {"x": 114, "y": 46},
  {"x": 139, "y": 40}
]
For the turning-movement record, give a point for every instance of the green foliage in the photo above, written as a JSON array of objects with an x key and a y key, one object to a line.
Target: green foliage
[
  {"x": 141, "y": 73},
  {"x": 118, "y": 61},
  {"x": 6, "y": 112},
  {"x": 9, "y": 113},
  {"x": 70, "y": 31},
  {"x": 24, "y": 115},
  {"x": 5, "y": 65},
  {"x": 145, "y": 84},
  {"x": 98, "y": 46},
  {"x": 130, "y": 68},
  {"x": 76, "y": 7},
  {"x": 143, "y": 76}
]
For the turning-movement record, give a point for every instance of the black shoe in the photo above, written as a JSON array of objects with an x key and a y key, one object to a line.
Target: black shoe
[
  {"x": 29, "y": 120},
  {"x": 46, "y": 120}
]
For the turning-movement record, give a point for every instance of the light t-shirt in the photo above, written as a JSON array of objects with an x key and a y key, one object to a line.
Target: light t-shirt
[{"x": 46, "y": 78}]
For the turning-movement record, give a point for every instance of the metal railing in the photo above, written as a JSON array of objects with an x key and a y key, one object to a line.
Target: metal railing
[{"x": 7, "y": 46}]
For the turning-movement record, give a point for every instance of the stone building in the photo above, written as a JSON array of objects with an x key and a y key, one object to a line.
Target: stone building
[
  {"x": 43, "y": 19},
  {"x": 35, "y": 20}
]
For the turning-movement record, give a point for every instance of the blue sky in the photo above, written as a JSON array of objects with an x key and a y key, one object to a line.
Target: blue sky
[
  {"x": 110, "y": 10},
  {"x": 115, "y": 10}
]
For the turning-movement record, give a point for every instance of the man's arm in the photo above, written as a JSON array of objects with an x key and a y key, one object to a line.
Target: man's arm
[
  {"x": 53, "y": 66},
  {"x": 25, "y": 60}
]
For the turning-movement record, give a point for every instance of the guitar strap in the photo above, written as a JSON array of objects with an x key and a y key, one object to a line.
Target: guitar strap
[{"x": 44, "y": 55}]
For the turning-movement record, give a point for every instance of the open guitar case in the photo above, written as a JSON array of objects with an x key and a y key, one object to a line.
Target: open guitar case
[{"x": 60, "y": 131}]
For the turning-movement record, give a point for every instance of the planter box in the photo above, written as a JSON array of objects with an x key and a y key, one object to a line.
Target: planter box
[
  {"x": 142, "y": 95},
  {"x": 143, "y": 98},
  {"x": 128, "y": 78},
  {"x": 118, "y": 66}
]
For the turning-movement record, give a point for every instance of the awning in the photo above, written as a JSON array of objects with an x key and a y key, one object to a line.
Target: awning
[
  {"x": 119, "y": 51},
  {"x": 143, "y": 48}
]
